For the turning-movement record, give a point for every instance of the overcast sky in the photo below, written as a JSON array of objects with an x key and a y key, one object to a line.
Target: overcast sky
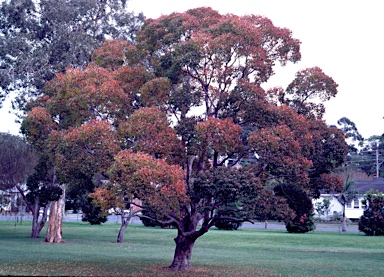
[{"x": 344, "y": 38}]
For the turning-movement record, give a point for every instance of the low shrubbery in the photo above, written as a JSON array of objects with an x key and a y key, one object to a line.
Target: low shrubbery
[{"x": 372, "y": 221}]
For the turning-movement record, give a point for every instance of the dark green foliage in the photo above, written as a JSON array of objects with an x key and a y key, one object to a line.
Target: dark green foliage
[
  {"x": 92, "y": 214},
  {"x": 77, "y": 199},
  {"x": 272, "y": 207},
  {"x": 303, "y": 224},
  {"x": 39, "y": 184},
  {"x": 227, "y": 187},
  {"x": 228, "y": 224},
  {"x": 372, "y": 221},
  {"x": 301, "y": 204},
  {"x": 229, "y": 193},
  {"x": 148, "y": 220}
]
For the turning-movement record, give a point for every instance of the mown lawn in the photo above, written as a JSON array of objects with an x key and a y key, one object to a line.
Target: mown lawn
[{"x": 92, "y": 251}]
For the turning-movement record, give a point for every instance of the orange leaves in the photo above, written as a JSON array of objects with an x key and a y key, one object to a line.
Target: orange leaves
[
  {"x": 310, "y": 84},
  {"x": 148, "y": 131},
  {"x": 215, "y": 50},
  {"x": 222, "y": 135},
  {"x": 111, "y": 54},
  {"x": 155, "y": 92},
  {"x": 105, "y": 199},
  {"x": 278, "y": 149},
  {"x": 80, "y": 95},
  {"x": 89, "y": 148},
  {"x": 151, "y": 180},
  {"x": 37, "y": 126}
]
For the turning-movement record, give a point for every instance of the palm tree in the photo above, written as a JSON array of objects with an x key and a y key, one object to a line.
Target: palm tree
[{"x": 346, "y": 196}]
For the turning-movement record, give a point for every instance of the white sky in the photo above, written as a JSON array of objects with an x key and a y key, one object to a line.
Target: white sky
[{"x": 344, "y": 38}]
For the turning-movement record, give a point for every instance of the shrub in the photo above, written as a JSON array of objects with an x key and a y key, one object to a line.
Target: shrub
[
  {"x": 301, "y": 204},
  {"x": 303, "y": 225},
  {"x": 372, "y": 221}
]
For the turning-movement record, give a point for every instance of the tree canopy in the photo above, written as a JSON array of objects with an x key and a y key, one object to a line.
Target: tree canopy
[{"x": 161, "y": 120}]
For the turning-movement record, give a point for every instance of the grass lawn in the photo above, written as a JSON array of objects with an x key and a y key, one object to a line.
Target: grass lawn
[{"x": 92, "y": 251}]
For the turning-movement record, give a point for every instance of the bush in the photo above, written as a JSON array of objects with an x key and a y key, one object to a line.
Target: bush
[
  {"x": 93, "y": 215},
  {"x": 372, "y": 221},
  {"x": 301, "y": 204},
  {"x": 226, "y": 224},
  {"x": 303, "y": 225}
]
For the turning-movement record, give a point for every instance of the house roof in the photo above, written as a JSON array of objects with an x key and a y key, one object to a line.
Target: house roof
[{"x": 376, "y": 184}]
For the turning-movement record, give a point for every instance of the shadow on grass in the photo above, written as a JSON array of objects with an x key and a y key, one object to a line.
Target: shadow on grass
[{"x": 123, "y": 269}]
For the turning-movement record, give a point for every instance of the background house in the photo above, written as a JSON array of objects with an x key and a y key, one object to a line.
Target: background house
[{"x": 354, "y": 210}]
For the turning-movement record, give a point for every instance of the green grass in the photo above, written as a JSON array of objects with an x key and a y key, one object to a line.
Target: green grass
[{"x": 92, "y": 251}]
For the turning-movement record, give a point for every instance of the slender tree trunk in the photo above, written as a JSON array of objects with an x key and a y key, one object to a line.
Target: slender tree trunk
[
  {"x": 55, "y": 225},
  {"x": 265, "y": 224},
  {"x": 37, "y": 225},
  {"x": 344, "y": 221},
  {"x": 183, "y": 253},
  {"x": 124, "y": 223}
]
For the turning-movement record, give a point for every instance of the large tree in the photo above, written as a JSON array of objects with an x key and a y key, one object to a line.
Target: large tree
[
  {"x": 204, "y": 70},
  {"x": 41, "y": 38}
]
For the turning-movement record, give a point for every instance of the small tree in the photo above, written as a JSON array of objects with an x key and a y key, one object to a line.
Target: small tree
[
  {"x": 323, "y": 208},
  {"x": 372, "y": 221},
  {"x": 17, "y": 160},
  {"x": 346, "y": 196}
]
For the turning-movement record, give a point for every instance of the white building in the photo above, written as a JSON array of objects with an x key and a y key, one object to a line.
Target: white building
[{"x": 353, "y": 210}]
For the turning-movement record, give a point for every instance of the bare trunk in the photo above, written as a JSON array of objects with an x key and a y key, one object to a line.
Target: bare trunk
[
  {"x": 183, "y": 253},
  {"x": 55, "y": 225},
  {"x": 344, "y": 221},
  {"x": 265, "y": 224}
]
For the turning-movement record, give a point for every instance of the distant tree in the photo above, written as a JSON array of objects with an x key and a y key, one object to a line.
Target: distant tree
[
  {"x": 351, "y": 133},
  {"x": 372, "y": 221},
  {"x": 41, "y": 38},
  {"x": 323, "y": 208},
  {"x": 17, "y": 160},
  {"x": 20, "y": 164},
  {"x": 347, "y": 194}
]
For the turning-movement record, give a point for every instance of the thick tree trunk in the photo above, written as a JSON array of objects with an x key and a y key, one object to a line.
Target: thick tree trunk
[
  {"x": 183, "y": 253},
  {"x": 55, "y": 225}
]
